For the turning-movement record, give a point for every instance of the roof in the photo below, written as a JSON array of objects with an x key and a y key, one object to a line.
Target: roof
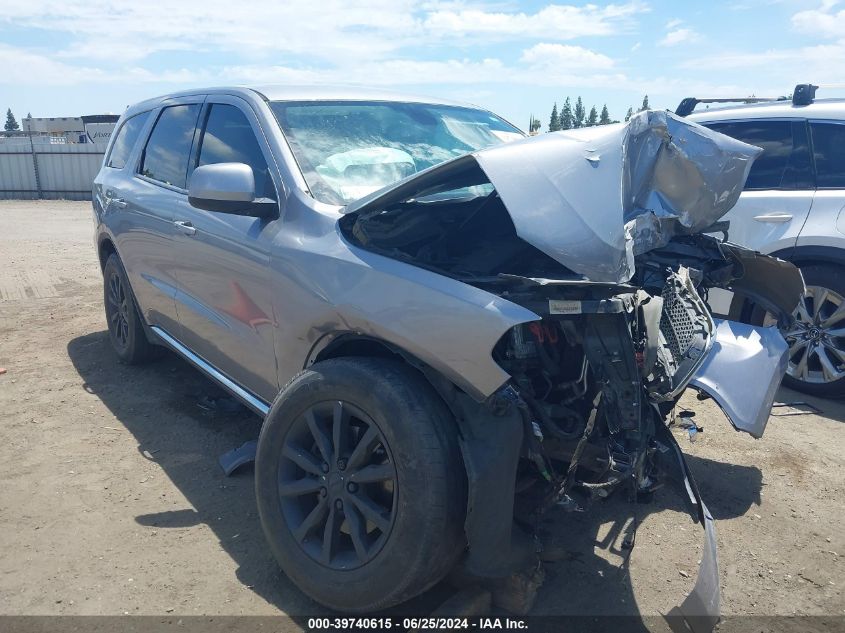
[
  {"x": 819, "y": 109},
  {"x": 277, "y": 92}
]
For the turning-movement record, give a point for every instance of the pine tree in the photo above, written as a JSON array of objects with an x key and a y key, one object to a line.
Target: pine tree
[
  {"x": 533, "y": 124},
  {"x": 29, "y": 115},
  {"x": 567, "y": 121},
  {"x": 11, "y": 122},
  {"x": 593, "y": 117},
  {"x": 604, "y": 119},
  {"x": 629, "y": 114},
  {"x": 645, "y": 104},
  {"x": 579, "y": 113},
  {"x": 554, "y": 120}
]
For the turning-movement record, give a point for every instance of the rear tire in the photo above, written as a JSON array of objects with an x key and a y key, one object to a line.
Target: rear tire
[
  {"x": 817, "y": 354},
  {"x": 408, "y": 519},
  {"x": 126, "y": 331}
]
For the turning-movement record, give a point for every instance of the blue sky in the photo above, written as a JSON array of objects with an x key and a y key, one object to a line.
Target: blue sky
[{"x": 72, "y": 57}]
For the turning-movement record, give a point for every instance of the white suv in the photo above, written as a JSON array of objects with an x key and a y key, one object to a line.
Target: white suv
[{"x": 792, "y": 207}]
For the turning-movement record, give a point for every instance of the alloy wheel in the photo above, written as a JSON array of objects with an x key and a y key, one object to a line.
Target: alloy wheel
[
  {"x": 118, "y": 310},
  {"x": 817, "y": 338},
  {"x": 337, "y": 485}
]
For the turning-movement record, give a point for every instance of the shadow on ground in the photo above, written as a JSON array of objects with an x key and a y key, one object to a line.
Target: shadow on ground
[
  {"x": 790, "y": 403},
  {"x": 184, "y": 422}
]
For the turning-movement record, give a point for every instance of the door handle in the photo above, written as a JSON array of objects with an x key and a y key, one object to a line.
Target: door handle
[
  {"x": 185, "y": 227},
  {"x": 777, "y": 218},
  {"x": 111, "y": 199}
]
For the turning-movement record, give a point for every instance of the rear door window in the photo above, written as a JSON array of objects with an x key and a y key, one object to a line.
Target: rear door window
[
  {"x": 125, "y": 140},
  {"x": 169, "y": 147},
  {"x": 229, "y": 138},
  {"x": 829, "y": 154},
  {"x": 785, "y": 161}
]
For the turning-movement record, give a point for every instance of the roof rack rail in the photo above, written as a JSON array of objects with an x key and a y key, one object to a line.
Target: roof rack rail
[
  {"x": 687, "y": 105},
  {"x": 804, "y": 94}
]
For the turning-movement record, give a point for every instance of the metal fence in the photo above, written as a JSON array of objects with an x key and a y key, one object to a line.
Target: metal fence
[{"x": 32, "y": 168}]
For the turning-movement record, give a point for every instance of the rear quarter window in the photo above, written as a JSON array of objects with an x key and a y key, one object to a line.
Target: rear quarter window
[
  {"x": 829, "y": 154},
  {"x": 785, "y": 161},
  {"x": 125, "y": 140}
]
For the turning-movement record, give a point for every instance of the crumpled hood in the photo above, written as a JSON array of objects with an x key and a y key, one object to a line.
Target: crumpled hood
[{"x": 593, "y": 198}]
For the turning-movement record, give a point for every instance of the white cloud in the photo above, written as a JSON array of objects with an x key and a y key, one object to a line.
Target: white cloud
[
  {"x": 824, "y": 21},
  {"x": 679, "y": 36},
  {"x": 24, "y": 67},
  {"x": 307, "y": 41},
  {"x": 576, "y": 67},
  {"x": 557, "y": 22},
  {"x": 328, "y": 30},
  {"x": 124, "y": 30},
  {"x": 564, "y": 56},
  {"x": 779, "y": 68}
]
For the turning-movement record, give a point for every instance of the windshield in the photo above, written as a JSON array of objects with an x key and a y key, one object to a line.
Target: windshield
[{"x": 347, "y": 149}]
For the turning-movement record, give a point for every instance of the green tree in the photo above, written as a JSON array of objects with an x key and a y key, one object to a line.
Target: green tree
[
  {"x": 580, "y": 113},
  {"x": 567, "y": 121},
  {"x": 604, "y": 119},
  {"x": 629, "y": 114},
  {"x": 554, "y": 120},
  {"x": 593, "y": 117},
  {"x": 11, "y": 122},
  {"x": 645, "y": 104},
  {"x": 533, "y": 124}
]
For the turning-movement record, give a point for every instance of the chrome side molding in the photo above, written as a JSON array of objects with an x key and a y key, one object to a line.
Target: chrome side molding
[{"x": 252, "y": 401}]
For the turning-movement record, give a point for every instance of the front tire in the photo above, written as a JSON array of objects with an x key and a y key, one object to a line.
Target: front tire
[{"x": 360, "y": 485}]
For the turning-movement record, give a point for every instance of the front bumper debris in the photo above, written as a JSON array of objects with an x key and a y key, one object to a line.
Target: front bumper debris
[{"x": 742, "y": 373}]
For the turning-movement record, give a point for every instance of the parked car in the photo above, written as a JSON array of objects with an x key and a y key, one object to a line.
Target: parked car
[
  {"x": 432, "y": 312},
  {"x": 792, "y": 207}
]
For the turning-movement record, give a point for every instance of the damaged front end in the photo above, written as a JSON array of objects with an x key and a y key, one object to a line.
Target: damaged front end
[{"x": 598, "y": 234}]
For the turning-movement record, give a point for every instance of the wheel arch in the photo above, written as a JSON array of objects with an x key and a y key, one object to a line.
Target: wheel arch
[
  {"x": 105, "y": 248},
  {"x": 800, "y": 256},
  {"x": 807, "y": 255},
  {"x": 351, "y": 344}
]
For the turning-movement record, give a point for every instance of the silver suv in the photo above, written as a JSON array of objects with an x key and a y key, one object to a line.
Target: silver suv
[
  {"x": 445, "y": 326},
  {"x": 792, "y": 207}
]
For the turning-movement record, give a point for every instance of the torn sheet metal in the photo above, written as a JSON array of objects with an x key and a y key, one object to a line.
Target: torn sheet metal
[
  {"x": 700, "y": 611},
  {"x": 593, "y": 198},
  {"x": 742, "y": 373},
  {"x": 773, "y": 284}
]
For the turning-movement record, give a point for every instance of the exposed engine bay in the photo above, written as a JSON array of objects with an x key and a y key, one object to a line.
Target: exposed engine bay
[{"x": 605, "y": 365}]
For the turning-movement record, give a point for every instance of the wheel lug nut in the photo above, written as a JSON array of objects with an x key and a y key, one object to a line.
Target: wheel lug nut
[
  {"x": 341, "y": 464},
  {"x": 352, "y": 486},
  {"x": 325, "y": 467},
  {"x": 323, "y": 492},
  {"x": 338, "y": 504}
]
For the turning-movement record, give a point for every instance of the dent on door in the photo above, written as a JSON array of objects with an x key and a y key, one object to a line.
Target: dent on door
[{"x": 224, "y": 298}]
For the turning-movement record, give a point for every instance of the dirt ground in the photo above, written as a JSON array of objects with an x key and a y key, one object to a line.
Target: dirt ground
[{"x": 112, "y": 502}]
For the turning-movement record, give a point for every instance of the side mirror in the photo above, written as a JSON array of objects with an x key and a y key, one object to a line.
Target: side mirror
[{"x": 228, "y": 188}]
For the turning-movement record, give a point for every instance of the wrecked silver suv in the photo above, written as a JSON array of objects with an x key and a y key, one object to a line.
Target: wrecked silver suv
[{"x": 448, "y": 328}]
